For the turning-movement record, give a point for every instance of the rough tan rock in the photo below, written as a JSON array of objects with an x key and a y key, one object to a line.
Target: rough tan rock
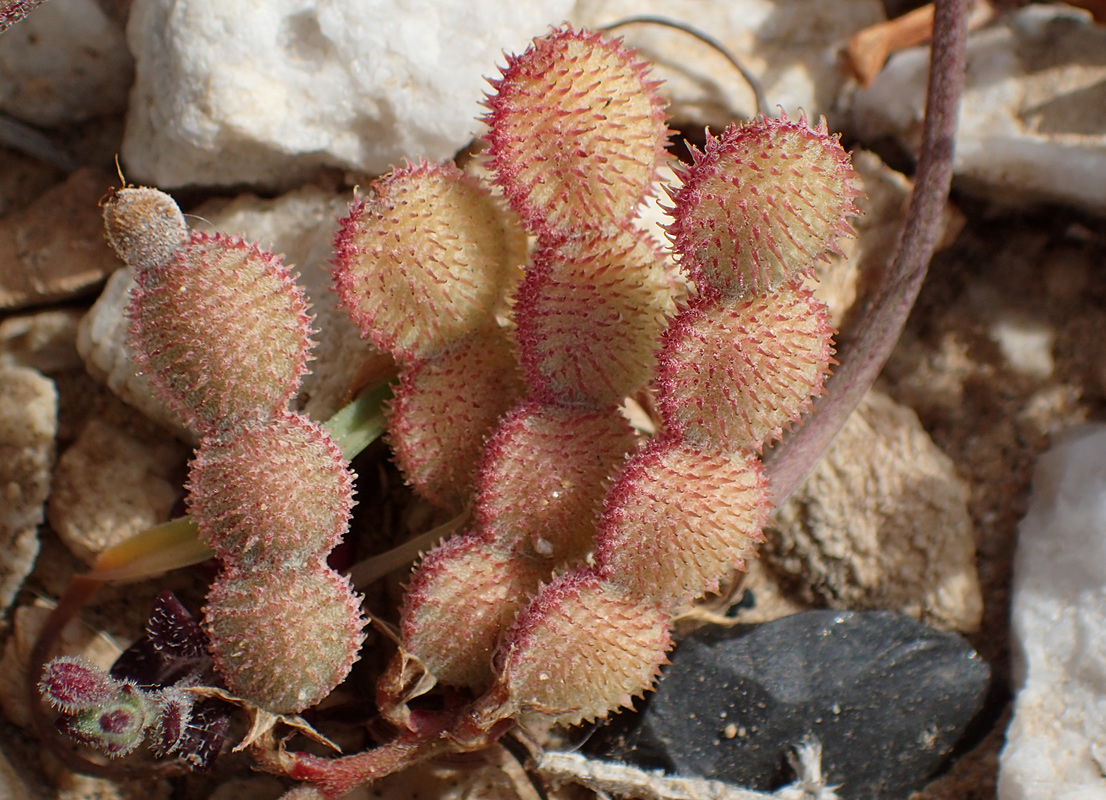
[
  {"x": 43, "y": 340},
  {"x": 882, "y": 522},
  {"x": 55, "y": 249},
  {"x": 28, "y": 425},
  {"x": 113, "y": 482}
]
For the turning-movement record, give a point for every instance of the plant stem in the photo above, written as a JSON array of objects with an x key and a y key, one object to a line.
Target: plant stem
[{"x": 864, "y": 354}]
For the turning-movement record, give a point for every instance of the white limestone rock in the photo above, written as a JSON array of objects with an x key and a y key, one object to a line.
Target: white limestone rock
[
  {"x": 1056, "y": 742},
  {"x": 1033, "y": 115},
  {"x": 260, "y": 93},
  {"x": 792, "y": 46},
  {"x": 66, "y": 62}
]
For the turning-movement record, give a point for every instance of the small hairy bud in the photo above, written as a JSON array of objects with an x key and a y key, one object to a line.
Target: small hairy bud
[
  {"x": 461, "y": 598},
  {"x": 223, "y": 330},
  {"x": 443, "y": 410},
  {"x": 424, "y": 259},
  {"x": 680, "y": 516},
  {"x": 144, "y": 226},
  {"x": 283, "y": 639},
  {"x": 576, "y": 131},
  {"x": 105, "y": 713},
  {"x": 589, "y": 315},
  {"x": 543, "y": 478},
  {"x": 760, "y": 205},
  {"x": 72, "y": 684},
  {"x": 740, "y": 373},
  {"x": 275, "y": 495},
  {"x": 582, "y": 648}
]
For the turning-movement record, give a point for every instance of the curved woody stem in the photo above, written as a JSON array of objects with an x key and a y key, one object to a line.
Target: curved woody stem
[{"x": 864, "y": 354}]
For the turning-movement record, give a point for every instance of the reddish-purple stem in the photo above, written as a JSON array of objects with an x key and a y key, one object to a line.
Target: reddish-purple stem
[{"x": 864, "y": 354}]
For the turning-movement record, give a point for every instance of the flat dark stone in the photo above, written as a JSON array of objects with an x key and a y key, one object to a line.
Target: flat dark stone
[{"x": 886, "y": 696}]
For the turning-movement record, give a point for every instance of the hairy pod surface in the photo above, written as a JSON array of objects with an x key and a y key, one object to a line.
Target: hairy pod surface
[
  {"x": 679, "y": 517},
  {"x": 589, "y": 314},
  {"x": 741, "y": 372},
  {"x": 582, "y": 648},
  {"x": 760, "y": 204},
  {"x": 543, "y": 478},
  {"x": 424, "y": 259},
  {"x": 445, "y": 407},
  {"x": 577, "y": 131},
  {"x": 144, "y": 226},
  {"x": 283, "y": 639},
  {"x": 223, "y": 331},
  {"x": 461, "y": 598},
  {"x": 273, "y": 496}
]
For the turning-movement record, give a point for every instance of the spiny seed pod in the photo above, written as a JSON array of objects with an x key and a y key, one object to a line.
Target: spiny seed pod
[
  {"x": 461, "y": 598},
  {"x": 679, "y": 516},
  {"x": 760, "y": 205},
  {"x": 589, "y": 315},
  {"x": 223, "y": 330},
  {"x": 543, "y": 477},
  {"x": 424, "y": 259},
  {"x": 740, "y": 373},
  {"x": 274, "y": 495},
  {"x": 283, "y": 639},
  {"x": 443, "y": 410},
  {"x": 144, "y": 226},
  {"x": 576, "y": 131},
  {"x": 582, "y": 648}
]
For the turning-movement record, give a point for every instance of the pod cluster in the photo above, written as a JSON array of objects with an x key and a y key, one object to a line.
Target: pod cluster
[
  {"x": 585, "y": 542},
  {"x": 223, "y": 332}
]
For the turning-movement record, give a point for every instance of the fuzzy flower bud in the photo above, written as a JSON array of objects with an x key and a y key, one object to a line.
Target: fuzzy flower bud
[
  {"x": 275, "y": 495},
  {"x": 424, "y": 260},
  {"x": 760, "y": 205},
  {"x": 577, "y": 131},
  {"x": 98, "y": 710},
  {"x": 144, "y": 226},
  {"x": 283, "y": 639}
]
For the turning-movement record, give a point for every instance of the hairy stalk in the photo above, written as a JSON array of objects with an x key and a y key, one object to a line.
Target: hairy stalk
[{"x": 864, "y": 353}]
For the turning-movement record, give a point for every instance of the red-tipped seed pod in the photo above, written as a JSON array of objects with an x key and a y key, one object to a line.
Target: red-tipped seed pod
[
  {"x": 760, "y": 205},
  {"x": 424, "y": 259},
  {"x": 223, "y": 331},
  {"x": 577, "y": 131},
  {"x": 443, "y": 410},
  {"x": 461, "y": 598},
  {"x": 283, "y": 639},
  {"x": 741, "y": 373},
  {"x": 275, "y": 495},
  {"x": 679, "y": 517},
  {"x": 583, "y": 648},
  {"x": 543, "y": 478},
  {"x": 589, "y": 315}
]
